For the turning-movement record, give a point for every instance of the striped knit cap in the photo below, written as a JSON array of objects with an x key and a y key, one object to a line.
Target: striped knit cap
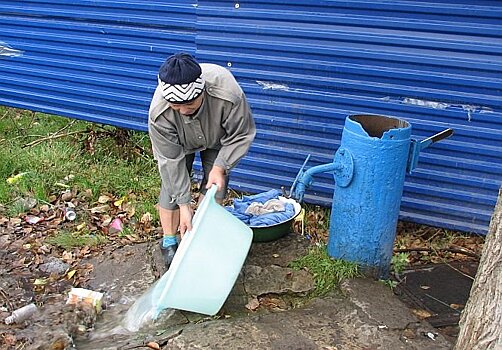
[{"x": 180, "y": 78}]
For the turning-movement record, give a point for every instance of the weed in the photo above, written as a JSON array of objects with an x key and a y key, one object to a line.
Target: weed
[
  {"x": 327, "y": 272},
  {"x": 69, "y": 240},
  {"x": 15, "y": 209},
  {"x": 126, "y": 231},
  {"x": 399, "y": 262},
  {"x": 390, "y": 283}
]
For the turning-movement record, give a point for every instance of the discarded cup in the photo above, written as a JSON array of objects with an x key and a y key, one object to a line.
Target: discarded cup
[
  {"x": 21, "y": 314},
  {"x": 87, "y": 296},
  {"x": 70, "y": 214}
]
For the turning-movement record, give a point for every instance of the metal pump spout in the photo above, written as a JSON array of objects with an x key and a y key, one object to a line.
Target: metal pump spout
[
  {"x": 305, "y": 179},
  {"x": 342, "y": 168}
]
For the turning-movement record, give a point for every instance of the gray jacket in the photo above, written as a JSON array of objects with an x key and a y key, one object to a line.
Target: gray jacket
[{"x": 223, "y": 122}]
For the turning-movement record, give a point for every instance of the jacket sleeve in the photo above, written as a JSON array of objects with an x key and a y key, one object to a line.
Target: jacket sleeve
[
  {"x": 171, "y": 162},
  {"x": 240, "y": 132}
]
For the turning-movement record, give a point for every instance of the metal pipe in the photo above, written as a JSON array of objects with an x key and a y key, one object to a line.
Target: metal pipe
[{"x": 306, "y": 178}]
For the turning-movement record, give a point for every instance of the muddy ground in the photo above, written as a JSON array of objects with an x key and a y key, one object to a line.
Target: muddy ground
[{"x": 126, "y": 263}]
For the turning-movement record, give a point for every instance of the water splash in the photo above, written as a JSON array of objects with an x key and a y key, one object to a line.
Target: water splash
[{"x": 146, "y": 308}]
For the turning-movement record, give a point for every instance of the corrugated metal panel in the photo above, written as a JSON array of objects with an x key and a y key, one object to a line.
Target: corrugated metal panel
[
  {"x": 93, "y": 60},
  {"x": 305, "y": 65}
]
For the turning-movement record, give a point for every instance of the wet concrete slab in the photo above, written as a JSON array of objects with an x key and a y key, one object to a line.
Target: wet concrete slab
[{"x": 363, "y": 315}]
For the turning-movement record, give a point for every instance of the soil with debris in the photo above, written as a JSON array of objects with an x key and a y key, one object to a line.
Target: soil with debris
[{"x": 37, "y": 267}]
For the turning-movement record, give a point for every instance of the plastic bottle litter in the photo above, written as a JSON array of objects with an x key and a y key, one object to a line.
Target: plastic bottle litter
[{"x": 21, "y": 314}]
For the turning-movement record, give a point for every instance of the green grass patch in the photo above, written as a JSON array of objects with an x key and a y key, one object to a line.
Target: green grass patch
[
  {"x": 48, "y": 149},
  {"x": 327, "y": 272},
  {"x": 68, "y": 240}
]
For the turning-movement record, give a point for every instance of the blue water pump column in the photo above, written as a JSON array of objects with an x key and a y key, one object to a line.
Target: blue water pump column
[
  {"x": 364, "y": 215},
  {"x": 369, "y": 170}
]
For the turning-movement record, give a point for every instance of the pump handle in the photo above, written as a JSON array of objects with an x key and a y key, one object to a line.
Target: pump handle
[
  {"x": 439, "y": 136},
  {"x": 416, "y": 147}
]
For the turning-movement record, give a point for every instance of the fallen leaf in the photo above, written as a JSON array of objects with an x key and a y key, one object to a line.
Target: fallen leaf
[
  {"x": 44, "y": 249},
  {"x": 40, "y": 282},
  {"x": 153, "y": 345},
  {"x": 421, "y": 313},
  {"x": 425, "y": 287},
  {"x": 15, "y": 221},
  {"x": 19, "y": 263},
  {"x": 71, "y": 274},
  {"x": 67, "y": 257},
  {"x": 67, "y": 196},
  {"x": 457, "y": 306},
  {"x": 119, "y": 202},
  {"x": 51, "y": 217},
  {"x": 133, "y": 237},
  {"x": 84, "y": 251},
  {"x": 34, "y": 211},
  {"x": 38, "y": 260},
  {"x": 253, "y": 304},
  {"x": 146, "y": 218},
  {"x": 59, "y": 344},
  {"x": 100, "y": 209},
  {"x": 130, "y": 209},
  {"x": 273, "y": 303},
  {"x": 106, "y": 220},
  {"x": 81, "y": 226},
  {"x": 104, "y": 199}
]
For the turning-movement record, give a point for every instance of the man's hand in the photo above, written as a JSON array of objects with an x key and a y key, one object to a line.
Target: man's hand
[
  {"x": 186, "y": 214},
  {"x": 217, "y": 177}
]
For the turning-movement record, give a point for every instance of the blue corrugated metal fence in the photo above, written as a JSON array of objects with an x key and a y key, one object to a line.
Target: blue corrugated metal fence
[{"x": 304, "y": 65}]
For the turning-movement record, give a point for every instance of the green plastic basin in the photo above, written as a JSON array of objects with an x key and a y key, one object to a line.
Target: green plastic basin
[{"x": 276, "y": 231}]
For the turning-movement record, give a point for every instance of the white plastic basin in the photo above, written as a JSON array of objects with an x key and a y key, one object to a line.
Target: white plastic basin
[{"x": 207, "y": 263}]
